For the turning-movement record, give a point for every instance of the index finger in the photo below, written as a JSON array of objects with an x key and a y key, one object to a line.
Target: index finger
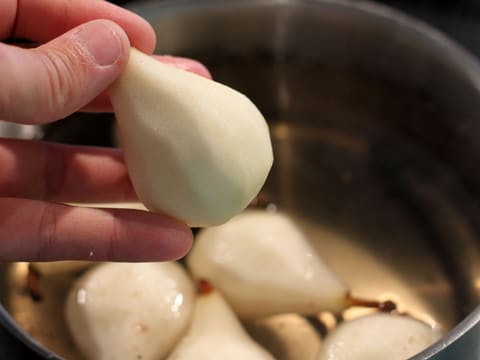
[{"x": 44, "y": 20}]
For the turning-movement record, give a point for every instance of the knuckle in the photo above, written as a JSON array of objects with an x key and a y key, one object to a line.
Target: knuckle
[
  {"x": 63, "y": 77},
  {"x": 47, "y": 232},
  {"x": 114, "y": 236},
  {"x": 59, "y": 78}
]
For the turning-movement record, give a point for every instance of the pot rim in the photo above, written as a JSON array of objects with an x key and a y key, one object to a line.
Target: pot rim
[
  {"x": 7, "y": 321},
  {"x": 446, "y": 47}
]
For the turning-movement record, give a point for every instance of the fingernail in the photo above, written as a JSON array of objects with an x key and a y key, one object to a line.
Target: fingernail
[
  {"x": 185, "y": 64},
  {"x": 101, "y": 41}
]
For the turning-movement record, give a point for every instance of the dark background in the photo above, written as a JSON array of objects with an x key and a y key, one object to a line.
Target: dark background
[{"x": 460, "y": 19}]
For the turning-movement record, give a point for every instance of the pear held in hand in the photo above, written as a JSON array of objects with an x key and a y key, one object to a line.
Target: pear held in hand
[
  {"x": 264, "y": 265},
  {"x": 195, "y": 149},
  {"x": 216, "y": 333}
]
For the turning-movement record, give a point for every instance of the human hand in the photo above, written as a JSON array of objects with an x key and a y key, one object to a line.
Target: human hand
[{"x": 79, "y": 57}]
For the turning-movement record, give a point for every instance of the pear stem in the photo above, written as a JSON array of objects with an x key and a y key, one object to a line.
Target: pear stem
[
  {"x": 204, "y": 287},
  {"x": 261, "y": 201},
  {"x": 385, "y": 306}
]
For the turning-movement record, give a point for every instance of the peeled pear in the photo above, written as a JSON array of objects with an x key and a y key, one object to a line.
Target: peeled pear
[
  {"x": 195, "y": 149},
  {"x": 264, "y": 265},
  {"x": 130, "y": 311},
  {"x": 378, "y": 337},
  {"x": 215, "y": 333}
]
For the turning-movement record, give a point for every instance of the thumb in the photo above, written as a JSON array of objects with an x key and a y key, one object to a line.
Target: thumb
[{"x": 58, "y": 78}]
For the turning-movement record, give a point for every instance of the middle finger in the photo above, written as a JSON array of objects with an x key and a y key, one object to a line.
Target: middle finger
[{"x": 64, "y": 173}]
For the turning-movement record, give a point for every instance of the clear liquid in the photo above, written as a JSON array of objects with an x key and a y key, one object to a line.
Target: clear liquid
[{"x": 386, "y": 217}]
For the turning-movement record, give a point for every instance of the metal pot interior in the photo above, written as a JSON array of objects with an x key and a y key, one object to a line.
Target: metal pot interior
[{"x": 374, "y": 124}]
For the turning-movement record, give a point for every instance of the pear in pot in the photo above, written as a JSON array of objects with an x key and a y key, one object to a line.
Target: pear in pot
[
  {"x": 378, "y": 336},
  {"x": 130, "y": 311},
  {"x": 264, "y": 265},
  {"x": 195, "y": 149},
  {"x": 215, "y": 333}
]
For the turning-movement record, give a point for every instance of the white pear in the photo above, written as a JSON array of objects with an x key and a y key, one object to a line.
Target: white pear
[
  {"x": 216, "y": 334},
  {"x": 264, "y": 265},
  {"x": 130, "y": 311},
  {"x": 195, "y": 149},
  {"x": 378, "y": 337}
]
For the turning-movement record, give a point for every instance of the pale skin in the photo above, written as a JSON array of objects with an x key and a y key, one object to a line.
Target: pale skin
[{"x": 78, "y": 57}]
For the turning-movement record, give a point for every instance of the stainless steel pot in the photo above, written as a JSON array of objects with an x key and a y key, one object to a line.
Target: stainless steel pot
[{"x": 376, "y": 132}]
